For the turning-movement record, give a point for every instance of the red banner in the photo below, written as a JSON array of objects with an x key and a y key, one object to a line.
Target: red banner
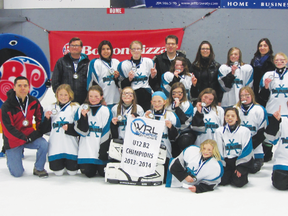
[{"x": 153, "y": 42}]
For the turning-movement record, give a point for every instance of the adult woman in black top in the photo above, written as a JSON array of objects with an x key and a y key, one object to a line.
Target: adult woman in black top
[
  {"x": 261, "y": 63},
  {"x": 205, "y": 69}
]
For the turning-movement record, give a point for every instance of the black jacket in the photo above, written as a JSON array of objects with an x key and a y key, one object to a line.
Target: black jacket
[
  {"x": 63, "y": 74},
  {"x": 206, "y": 78},
  {"x": 257, "y": 76},
  {"x": 163, "y": 65}
]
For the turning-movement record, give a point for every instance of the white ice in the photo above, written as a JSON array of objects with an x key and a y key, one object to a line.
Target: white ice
[{"x": 79, "y": 195}]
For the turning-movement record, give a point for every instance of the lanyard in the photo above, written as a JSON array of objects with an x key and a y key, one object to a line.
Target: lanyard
[
  {"x": 124, "y": 113},
  {"x": 24, "y": 112}
]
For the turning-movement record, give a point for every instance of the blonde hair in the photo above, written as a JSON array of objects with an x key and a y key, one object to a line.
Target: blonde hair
[
  {"x": 136, "y": 42},
  {"x": 282, "y": 54},
  {"x": 250, "y": 91},
  {"x": 134, "y": 101},
  {"x": 215, "y": 151},
  {"x": 66, "y": 87}
]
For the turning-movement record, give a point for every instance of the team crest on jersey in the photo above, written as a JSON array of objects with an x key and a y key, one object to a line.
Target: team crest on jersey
[
  {"x": 108, "y": 79},
  {"x": 65, "y": 49},
  {"x": 280, "y": 90},
  {"x": 250, "y": 127},
  {"x": 22, "y": 66},
  {"x": 94, "y": 129},
  {"x": 59, "y": 124},
  {"x": 233, "y": 146},
  {"x": 140, "y": 128},
  {"x": 140, "y": 78},
  {"x": 210, "y": 125},
  {"x": 238, "y": 82}
]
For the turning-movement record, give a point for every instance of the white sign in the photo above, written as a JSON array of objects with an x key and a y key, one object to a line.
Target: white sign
[
  {"x": 30, "y": 4},
  {"x": 141, "y": 145}
]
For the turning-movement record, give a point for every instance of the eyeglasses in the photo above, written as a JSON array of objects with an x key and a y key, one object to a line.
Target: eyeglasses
[
  {"x": 171, "y": 44},
  {"x": 130, "y": 94},
  {"x": 136, "y": 49},
  {"x": 177, "y": 93},
  {"x": 205, "y": 48},
  {"x": 245, "y": 95},
  {"x": 75, "y": 46},
  {"x": 280, "y": 60}
]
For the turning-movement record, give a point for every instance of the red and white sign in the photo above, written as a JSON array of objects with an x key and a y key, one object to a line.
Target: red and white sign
[
  {"x": 115, "y": 10},
  {"x": 153, "y": 42}
]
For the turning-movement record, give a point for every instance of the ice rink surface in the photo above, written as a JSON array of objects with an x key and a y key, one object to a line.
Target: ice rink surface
[{"x": 79, "y": 195}]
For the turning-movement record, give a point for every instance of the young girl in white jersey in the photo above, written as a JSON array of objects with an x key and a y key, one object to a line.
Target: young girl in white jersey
[
  {"x": 139, "y": 73},
  {"x": 103, "y": 72},
  {"x": 198, "y": 169},
  {"x": 172, "y": 122},
  {"x": 127, "y": 106},
  {"x": 178, "y": 73},
  {"x": 235, "y": 146},
  {"x": 234, "y": 75},
  {"x": 92, "y": 122},
  {"x": 183, "y": 108},
  {"x": 207, "y": 116},
  {"x": 254, "y": 117},
  {"x": 63, "y": 142}
]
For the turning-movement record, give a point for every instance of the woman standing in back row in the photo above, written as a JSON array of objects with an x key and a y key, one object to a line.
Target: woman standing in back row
[{"x": 261, "y": 63}]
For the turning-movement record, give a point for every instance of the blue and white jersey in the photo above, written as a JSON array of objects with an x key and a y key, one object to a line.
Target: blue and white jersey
[
  {"x": 61, "y": 145},
  {"x": 170, "y": 116},
  {"x": 278, "y": 88},
  {"x": 236, "y": 144},
  {"x": 255, "y": 118},
  {"x": 281, "y": 153},
  {"x": 187, "y": 108},
  {"x": 207, "y": 171},
  {"x": 98, "y": 133},
  {"x": 243, "y": 77},
  {"x": 100, "y": 72},
  {"x": 167, "y": 78},
  {"x": 213, "y": 119},
  {"x": 142, "y": 74},
  {"x": 124, "y": 113}
]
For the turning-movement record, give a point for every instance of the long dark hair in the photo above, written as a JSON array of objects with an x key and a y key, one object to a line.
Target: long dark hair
[
  {"x": 238, "y": 122},
  {"x": 257, "y": 53},
  {"x": 102, "y": 43},
  {"x": 197, "y": 60}
]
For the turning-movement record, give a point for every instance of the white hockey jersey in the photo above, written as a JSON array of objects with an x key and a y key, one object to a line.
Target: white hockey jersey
[
  {"x": 99, "y": 71},
  {"x": 208, "y": 171},
  {"x": 243, "y": 77},
  {"x": 98, "y": 133}
]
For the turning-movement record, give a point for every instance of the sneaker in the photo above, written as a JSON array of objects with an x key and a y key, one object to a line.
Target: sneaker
[
  {"x": 41, "y": 174},
  {"x": 2, "y": 154}
]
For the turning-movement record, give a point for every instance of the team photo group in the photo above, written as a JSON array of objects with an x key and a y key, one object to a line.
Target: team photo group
[{"x": 217, "y": 123}]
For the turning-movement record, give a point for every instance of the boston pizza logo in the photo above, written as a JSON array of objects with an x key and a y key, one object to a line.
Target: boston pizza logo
[
  {"x": 22, "y": 66},
  {"x": 65, "y": 49}
]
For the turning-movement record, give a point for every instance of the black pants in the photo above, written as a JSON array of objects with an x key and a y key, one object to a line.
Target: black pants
[
  {"x": 280, "y": 179},
  {"x": 230, "y": 177},
  {"x": 90, "y": 170},
  {"x": 60, "y": 164}
]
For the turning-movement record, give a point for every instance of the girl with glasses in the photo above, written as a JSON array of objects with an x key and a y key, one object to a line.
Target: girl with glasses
[
  {"x": 139, "y": 73},
  {"x": 126, "y": 106}
]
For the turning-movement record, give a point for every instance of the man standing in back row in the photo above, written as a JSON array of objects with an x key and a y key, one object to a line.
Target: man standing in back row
[
  {"x": 72, "y": 69},
  {"x": 163, "y": 61}
]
